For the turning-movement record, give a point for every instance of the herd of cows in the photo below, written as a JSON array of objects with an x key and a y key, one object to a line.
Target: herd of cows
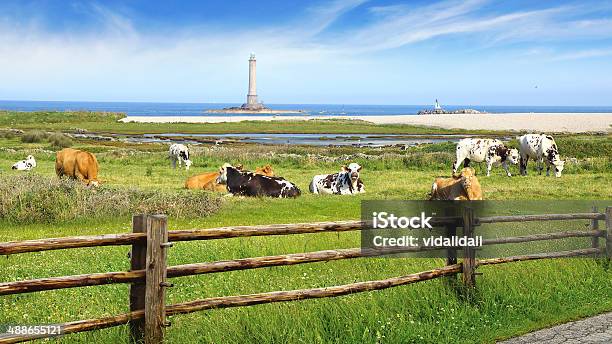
[{"x": 82, "y": 165}]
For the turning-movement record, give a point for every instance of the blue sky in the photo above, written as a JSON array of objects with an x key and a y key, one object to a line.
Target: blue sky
[{"x": 344, "y": 51}]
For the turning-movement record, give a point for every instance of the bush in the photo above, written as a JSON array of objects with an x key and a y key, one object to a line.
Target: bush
[
  {"x": 59, "y": 140},
  {"x": 31, "y": 198},
  {"x": 34, "y": 136}
]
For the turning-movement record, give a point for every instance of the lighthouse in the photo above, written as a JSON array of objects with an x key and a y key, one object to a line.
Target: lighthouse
[{"x": 251, "y": 103}]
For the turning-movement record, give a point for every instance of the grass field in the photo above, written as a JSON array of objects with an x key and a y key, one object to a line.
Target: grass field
[{"x": 510, "y": 299}]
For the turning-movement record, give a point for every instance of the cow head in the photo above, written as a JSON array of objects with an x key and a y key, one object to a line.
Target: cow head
[
  {"x": 187, "y": 164},
  {"x": 559, "y": 164},
  {"x": 30, "y": 157},
  {"x": 353, "y": 170},
  {"x": 265, "y": 170},
  {"x": 222, "y": 179},
  {"x": 513, "y": 156},
  {"x": 553, "y": 158}
]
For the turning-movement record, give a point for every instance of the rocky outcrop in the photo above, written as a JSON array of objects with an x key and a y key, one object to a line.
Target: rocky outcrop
[{"x": 447, "y": 112}]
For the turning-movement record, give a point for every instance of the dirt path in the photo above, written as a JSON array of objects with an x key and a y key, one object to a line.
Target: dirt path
[{"x": 597, "y": 329}]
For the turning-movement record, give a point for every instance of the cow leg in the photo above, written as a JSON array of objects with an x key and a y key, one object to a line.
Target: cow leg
[
  {"x": 523, "y": 163},
  {"x": 173, "y": 160},
  {"x": 547, "y": 169},
  {"x": 539, "y": 166},
  {"x": 489, "y": 165},
  {"x": 456, "y": 165},
  {"x": 505, "y": 166}
]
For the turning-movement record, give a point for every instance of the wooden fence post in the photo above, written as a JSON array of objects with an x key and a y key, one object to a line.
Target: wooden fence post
[
  {"x": 469, "y": 253},
  {"x": 609, "y": 232},
  {"x": 594, "y": 227},
  {"x": 155, "y": 294},
  {"x": 138, "y": 259},
  {"x": 451, "y": 252}
]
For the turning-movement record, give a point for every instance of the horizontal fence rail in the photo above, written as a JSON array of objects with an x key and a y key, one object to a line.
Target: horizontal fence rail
[
  {"x": 151, "y": 318},
  {"x": 543, "y": 217}
]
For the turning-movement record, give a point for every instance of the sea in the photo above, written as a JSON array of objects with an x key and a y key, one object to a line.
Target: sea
[{"x": 199, "y": 109}]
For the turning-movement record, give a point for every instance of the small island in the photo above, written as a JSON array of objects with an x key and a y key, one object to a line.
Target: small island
[{"x": 438, "y": 110}]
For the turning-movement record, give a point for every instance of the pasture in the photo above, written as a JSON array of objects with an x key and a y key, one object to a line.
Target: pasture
[{"x": 511, "y": 299}]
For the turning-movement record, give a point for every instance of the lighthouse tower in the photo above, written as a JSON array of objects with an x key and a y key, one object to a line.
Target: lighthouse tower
[{"x": 252, "y": 103}]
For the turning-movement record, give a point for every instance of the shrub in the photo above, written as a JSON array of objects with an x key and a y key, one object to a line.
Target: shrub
[
  {"x": 31, "y": 198},
  {"x": 34, "y": 136},
  {"x": 59, "y": 140}
]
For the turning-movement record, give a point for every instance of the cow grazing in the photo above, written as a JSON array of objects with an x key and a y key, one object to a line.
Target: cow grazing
[
  {"x": 494, "y": 152},
  {"x": 543, "y": 149},
  {"x": 246, "y": 183},
  {"x": 345, "y": 182},
  {"x": 208, "y": 181},
  {"x": 464, "y": 187},
  {"x": 179, "y": 152},
  {"x": 77, "y": 164},
  {"x": 25, "y": 165}
]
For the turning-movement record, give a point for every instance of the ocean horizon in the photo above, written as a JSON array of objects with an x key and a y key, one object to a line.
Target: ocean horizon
[{"x": 199, "y": 109}]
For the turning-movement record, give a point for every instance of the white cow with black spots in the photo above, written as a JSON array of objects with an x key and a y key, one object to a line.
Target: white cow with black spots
[
  {"x": 179, "y": 152},
  {"x": 543, "y": 149},
  {"x": 493, "y": 151},
  {"x": 25, "y": 165},
  {"x": 345, "y": 182}
]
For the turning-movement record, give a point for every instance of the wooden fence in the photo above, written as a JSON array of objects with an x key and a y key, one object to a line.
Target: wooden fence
[{"x": 150, "y": 241}]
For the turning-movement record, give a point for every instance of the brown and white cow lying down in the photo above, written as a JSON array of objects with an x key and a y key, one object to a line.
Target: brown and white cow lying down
[
  {"x": 464, "y": 187},
  {"x": 250, "y": 184},
  {"x": 208, "y": 181},
  {"x": 77, "y": 164}
]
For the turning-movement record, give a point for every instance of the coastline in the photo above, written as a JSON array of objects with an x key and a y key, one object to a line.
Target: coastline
[{"x": 546, "y": 122}]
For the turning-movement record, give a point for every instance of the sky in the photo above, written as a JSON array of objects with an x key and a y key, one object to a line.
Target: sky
[{"x": 472, "y": 52}]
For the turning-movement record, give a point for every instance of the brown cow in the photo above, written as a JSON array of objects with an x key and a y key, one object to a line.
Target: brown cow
[
  {"x": 208, "y": 181},
  {"x": 77, "y": 164},
  {"x": 464, "y": 187}
]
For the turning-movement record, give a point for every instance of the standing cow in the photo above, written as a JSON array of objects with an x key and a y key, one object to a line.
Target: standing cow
[
  {"x": 543, "y": 149},
  {"x": 251, "y": 184},
  {"x": 490, "y": 150},
  {"x": 77, "y": 164},
  {"x": 179, "y": 152},
  {"x": 345, "y": 182},
  {"x": 25, "y": 165}
]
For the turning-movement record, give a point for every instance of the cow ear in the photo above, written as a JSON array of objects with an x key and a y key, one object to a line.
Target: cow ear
[
  {"x": 344, "y": 168},
  {"x": 239, "y": 167},
  {"x": 359, "y": 169}
]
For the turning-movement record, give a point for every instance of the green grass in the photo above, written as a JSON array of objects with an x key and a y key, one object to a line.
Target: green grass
[{"x": 510, "y": 299}]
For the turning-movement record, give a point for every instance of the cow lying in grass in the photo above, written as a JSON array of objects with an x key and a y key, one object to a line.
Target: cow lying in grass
[
  {"x": 25, "y": 165},
  {"x": 464, "y": 187},
  {"x": 345, "y": 182},
  {"x": 77, "y": 164},
  {"x": 208, "y": 181},
  {"x": 251, "y": 184}
]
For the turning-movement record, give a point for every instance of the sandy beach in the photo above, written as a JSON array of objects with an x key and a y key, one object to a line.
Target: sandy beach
[{"x": 545, "y": 122}]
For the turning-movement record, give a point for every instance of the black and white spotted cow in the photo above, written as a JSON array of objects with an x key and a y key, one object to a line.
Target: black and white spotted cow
[
  {"x": 345, "y": 182},
  {"x": 179, "y": 152},
  {"x": 543, "y": 149},
  {"x": 251, "y": 184},
  {"x": 493, "y": 151},
  {"x": 25, "y": 165}
]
